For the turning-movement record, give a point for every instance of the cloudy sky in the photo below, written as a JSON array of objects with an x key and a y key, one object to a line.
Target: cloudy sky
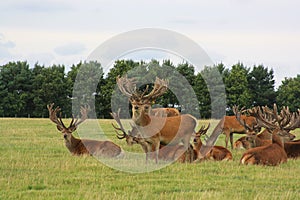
[{"x": 64, "y": 32}]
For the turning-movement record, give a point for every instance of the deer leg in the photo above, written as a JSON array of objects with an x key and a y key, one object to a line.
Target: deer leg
[
  {"x": 226, "y": 138},
  {"x": 156, "y": 145},
  {"x": 231, "y": 140}
]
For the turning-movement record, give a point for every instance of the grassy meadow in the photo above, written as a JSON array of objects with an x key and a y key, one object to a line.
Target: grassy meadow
[{"x": 35, "y": 164}]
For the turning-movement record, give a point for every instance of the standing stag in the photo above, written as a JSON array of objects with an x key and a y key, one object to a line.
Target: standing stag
[
  {"x": 82, "y": 146},
  {"x": 274, "y": 153},
  {"x": 156, "y": 129}
]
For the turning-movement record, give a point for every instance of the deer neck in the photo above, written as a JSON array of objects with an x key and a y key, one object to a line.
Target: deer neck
[
  {"x": 198, "y": 145},
  {"x": 143, "y": 119},
  {"x": 276, "y": 139},
  {"x": 72, "y": 142}
]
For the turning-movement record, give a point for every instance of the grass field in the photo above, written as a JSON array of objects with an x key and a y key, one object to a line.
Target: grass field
[{"x": 35, "y": 164}]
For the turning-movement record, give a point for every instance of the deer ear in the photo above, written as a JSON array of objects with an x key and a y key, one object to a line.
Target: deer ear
[{"x": 59, "y": 128}]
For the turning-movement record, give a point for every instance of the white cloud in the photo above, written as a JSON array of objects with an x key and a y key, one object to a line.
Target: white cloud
[
  {"x": 70, "y": 49},
  {"x": 5, "y": 48}
]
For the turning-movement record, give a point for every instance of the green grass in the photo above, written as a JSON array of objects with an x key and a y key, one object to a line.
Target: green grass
[{"x": 35, "y": 164}]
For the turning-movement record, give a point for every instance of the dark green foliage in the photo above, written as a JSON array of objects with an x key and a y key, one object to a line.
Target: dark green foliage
[
  {"x": 237, "y": 88},
  {"x": 261, "y": 85},
  {"x": 15, "y": 89},
  {"x": 289, "y": 93}
]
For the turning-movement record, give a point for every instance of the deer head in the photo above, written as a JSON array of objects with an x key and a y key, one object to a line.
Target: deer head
[
  {"x": 202, "y": 131},
  {"x": 131, "y": 136},
  {"x": 141, "y": 101},
  {"x": 66, "y": 131}
]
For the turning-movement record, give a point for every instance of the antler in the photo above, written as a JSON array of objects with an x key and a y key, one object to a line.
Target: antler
[
  {"x": 53, "y": 115},
  {"x": 238, "y": 114},
  {"x": 293, "y": 121},
  {"x": 160, "y": 87},
  {"x": 271, "y": 120},
  {"x": 128, "y": 87},
  {"x": 202, "y": 130},
  {"x": 84, "y": 115},
  {"x": 116, "y": 116}
]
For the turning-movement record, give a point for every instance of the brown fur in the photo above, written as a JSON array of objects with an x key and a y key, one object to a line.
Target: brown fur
[
  {"x": 90, "y": 147},
  {"x": 165, "y": 112},
  {"x": 217, "y": 153},
  {"x": 230, "y": 125},
  {"x": 262, "y": 139},
  {"x": 241, "y": 143},
  {"x": 272, "y": 154},
  {"x": 292, "y": 149},
  {"x": 85, "y": 146},
  {"x": 167, "y": 130},
  {"x": 93, "y": 147}
]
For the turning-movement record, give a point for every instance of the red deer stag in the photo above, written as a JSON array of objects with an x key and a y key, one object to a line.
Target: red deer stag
[
  {"x": 154, "y": 129},
  {"x": 217, "y": 153},
  {"x": 230, "y": 125},
  {"x": 272, "y": 154},
  {"x": 82, "y": 146}
]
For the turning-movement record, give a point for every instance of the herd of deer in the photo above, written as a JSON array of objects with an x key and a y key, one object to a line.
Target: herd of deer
[{"x": 165, "y": 134}]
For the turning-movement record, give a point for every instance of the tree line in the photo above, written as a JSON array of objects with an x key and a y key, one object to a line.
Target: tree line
[{"x": 26, "y": 90}]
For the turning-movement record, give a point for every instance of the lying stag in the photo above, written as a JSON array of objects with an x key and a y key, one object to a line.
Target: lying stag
[
  {"x": 82, "y": 146},
  {"x": 272, "y": 154},
  {"x": 217, "y": 153}
]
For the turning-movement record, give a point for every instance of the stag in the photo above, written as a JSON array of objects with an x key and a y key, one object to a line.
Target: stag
[
  {"x": 274, "y": 153},
  {"x": 82, "y": 146},
  {"x": 216, "y": 153}
]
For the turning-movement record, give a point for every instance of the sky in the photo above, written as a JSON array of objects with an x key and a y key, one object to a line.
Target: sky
[{"x": 230, "y": 31}]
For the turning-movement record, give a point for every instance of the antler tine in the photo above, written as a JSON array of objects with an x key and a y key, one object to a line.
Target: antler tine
[
  {"x": 286, "y": 116},
  {"x": 53, "y": 115},
  {"x": 160, "y": 87},
  {"x": 262, "y": 118},
  {"x": 116, "y": 116},
  {"x": 84, "y": 115},
  {"x": 294, "y": 121},
  {"x": 127, "y": 86},
  {"x": 202, "y": 130},
  {"x": 237, "y": 113}
]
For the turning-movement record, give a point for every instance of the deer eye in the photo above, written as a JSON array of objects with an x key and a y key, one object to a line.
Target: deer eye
[
  {"x": 136, "y": 107},
  {"x": 146, "y": 107}
]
